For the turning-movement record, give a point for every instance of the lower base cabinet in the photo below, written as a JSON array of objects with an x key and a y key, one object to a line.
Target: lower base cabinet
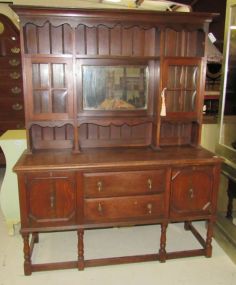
[{"x": 85, "y": 196}]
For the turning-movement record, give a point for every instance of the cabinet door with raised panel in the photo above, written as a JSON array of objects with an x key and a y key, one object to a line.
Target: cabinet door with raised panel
[
  {"x": 51, "y": 198},
  {"x": 191, "y": 191}
]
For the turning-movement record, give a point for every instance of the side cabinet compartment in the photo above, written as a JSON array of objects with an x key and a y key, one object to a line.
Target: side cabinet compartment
[
  {"x": 50, "y": 198},
  {"x": 191, "y": 191}
]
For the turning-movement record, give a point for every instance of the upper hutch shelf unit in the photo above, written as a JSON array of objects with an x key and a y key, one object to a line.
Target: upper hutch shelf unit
[
  {"x": 113, "y": 107},
  {"x": 94, "y": 78}
]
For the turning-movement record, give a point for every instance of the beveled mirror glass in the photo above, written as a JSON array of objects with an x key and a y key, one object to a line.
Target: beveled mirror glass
[{"x": 227, "y": 138}]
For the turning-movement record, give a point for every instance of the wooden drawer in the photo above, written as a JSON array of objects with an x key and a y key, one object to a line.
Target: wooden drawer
[
  {"x": 10, "y": 62},
  {"x": 11, "y": 108},
  {"x": 11, "y": 125},
  {"x": 11, "y": 77},
  {"x": 124, "y": 207},
  {"x": 112, "y": 184},
  {"x": 11, "y": 90}
]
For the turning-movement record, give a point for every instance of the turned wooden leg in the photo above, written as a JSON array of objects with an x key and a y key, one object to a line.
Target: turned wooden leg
[
  {"x": 80, "y": 249},
  {"x": 209, "y": 239},
  {"x": 27, "y": 254},
  {"x": 162, "y": 251}
]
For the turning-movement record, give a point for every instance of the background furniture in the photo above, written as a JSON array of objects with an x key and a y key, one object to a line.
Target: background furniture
[
  {"x": 113, "y": 121},
  {"x": 11, "y": 89}
]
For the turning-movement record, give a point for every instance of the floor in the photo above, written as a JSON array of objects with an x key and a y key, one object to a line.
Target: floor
[{"x": 116, "y": 241}]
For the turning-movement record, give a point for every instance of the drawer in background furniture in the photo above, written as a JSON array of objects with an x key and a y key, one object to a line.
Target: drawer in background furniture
[
  {"x": 11, "y": 125},
  {"x": 152, "y": 206},
  {"x": 112, "y": 184},
  {"x": 10, "y": 62},
  {"x": 11, "y": 90},
  {"x": 11, "y": 77},
  {"x": 11, "y": 107}
]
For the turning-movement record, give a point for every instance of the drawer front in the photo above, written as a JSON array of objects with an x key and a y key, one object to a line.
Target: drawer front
[
  {"x": 191, "y": 191},
  {"x": 11, "y": 108},
  {"x": 119, "y": 208},
  {"x": 10, "y": 62},
  {"x": 115, "y": 184},
  {"x": 11, "y": 125}
]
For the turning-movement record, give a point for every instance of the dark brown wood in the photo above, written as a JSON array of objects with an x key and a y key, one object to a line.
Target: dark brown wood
[
  {"x": 11, "y": 89},
  {"x": 101, "y": 151}
]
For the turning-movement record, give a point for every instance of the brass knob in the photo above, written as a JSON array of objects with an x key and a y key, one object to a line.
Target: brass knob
[
  {"x": 99, "y": 185},
  {"x": 149, "y": 207},
  {"x": 17, "y": 107},
  {"x": 16, "y": 90},
  {"x": 14, "y": 62},
  {"x": 149, "y": 183},
  {"x": 15, "y": 75}
]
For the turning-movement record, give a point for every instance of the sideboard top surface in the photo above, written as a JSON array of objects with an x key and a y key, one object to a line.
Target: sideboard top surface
[{"x": 114, "y": 159}]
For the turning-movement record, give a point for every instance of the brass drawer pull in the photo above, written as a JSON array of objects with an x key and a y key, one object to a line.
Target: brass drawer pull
[
  {"x": 99, "y": 185},
  {"x": 17, "y": 107},
  {"x": 15, "y": 75},
  {"x": 100, "y": 208},
  {"x": 149, "y": 208},
  {"x": 149, "y": 183},
  {"x": 16, "y": 90},
  {"x": 14, "y": 62},
  {"x": 15, "y": 50}
]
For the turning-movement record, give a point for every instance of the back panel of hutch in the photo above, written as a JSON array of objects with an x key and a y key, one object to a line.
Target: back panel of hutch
[{"x": 113, "y": 107}]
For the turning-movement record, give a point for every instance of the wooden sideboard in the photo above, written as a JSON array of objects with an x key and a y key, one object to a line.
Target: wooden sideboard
[{"x": 113, "y": 120}]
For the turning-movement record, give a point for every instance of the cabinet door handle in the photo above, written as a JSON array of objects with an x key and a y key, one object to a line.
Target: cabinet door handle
[
  {"x": 149, "y": 183},
  {"x": 52, "y": 201},
  {"x": 149, "y": 208},
  {"x": 191, "y": 193},
  {"x": 17, "y": 107},
  {"x": 99, "y": 185}
]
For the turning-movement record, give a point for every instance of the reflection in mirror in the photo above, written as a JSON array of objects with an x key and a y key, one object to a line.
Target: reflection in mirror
[
  {"x": 115, "y": 87},
  {"x": 1, "y": 28},
  {"x": 228, "y": 115}
]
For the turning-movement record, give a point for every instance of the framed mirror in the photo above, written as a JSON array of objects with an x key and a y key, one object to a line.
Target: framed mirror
[{"x": 227, "y": 124}]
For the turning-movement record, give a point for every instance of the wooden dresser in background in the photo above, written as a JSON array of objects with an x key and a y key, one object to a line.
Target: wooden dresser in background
[
  {"x": 113, "y": 103},
  {"x": 11, "y": 89}
]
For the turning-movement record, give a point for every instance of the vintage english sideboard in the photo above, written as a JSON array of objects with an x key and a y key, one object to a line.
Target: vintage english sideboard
[{"x": 113, "y": 108}]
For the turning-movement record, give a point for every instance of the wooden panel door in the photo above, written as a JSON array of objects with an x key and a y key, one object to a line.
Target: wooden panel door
[
  {"x": 191, "y": 191},
  {"x": 51, "y": 198}
]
